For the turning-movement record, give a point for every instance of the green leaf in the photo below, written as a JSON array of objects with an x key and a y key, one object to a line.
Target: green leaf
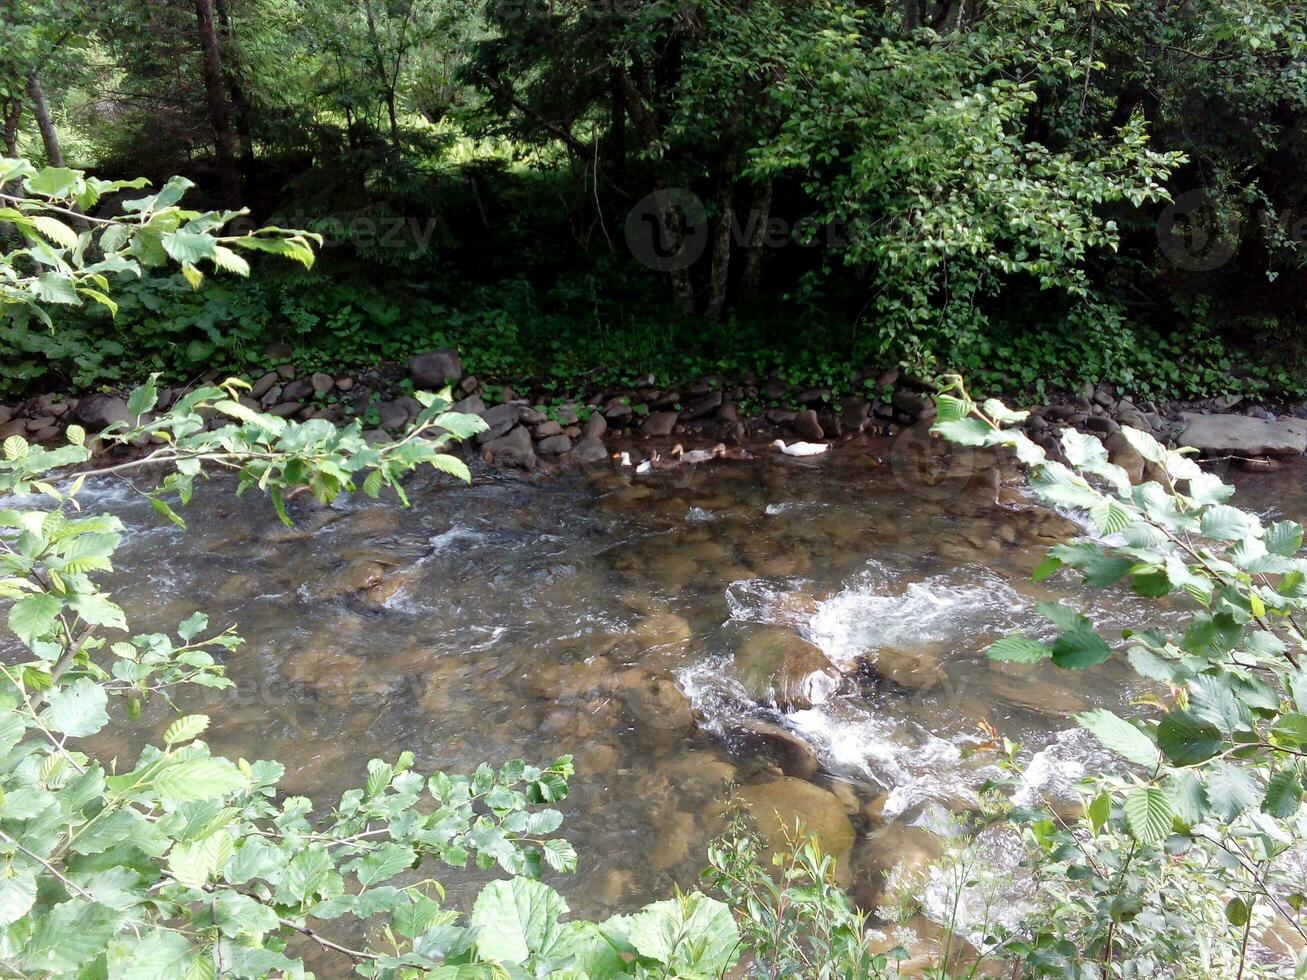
[
  {"x": 1099, "y": 811},
  {"x": 77, "y": 710},
  {"x": 949, "y": 408},
  {"x": 1018, "y": 648},
  {"x": 1283, "y": 794},
  {"x": 1224, "y": 523},
  {"x": 198, "y": 779},
  {"x": 34, "y": 617},
  {"x": 17, "y": 893},
  {"x": 1283, "y": 538},
  {"x": 1231, "y": 790},
  {"x": 517, "y": 919},
  {"x": 157, "y": 954},
  {"x": 194, "y": 862},
  {"x": 145, "y": 397},
  {"x": 1148, "y": 814},
  {"x": 383, "y": 863},
  {"x": 692, "y": 934},
  {"x": 235, "y": 914},
  {"x": 964, "y": 432},
  {"x": 56, "y": 183},
  {"x": 1062, "y": 616},
  {"x": 1078, "y": 649},
  {"x": 191, "y": 627},
  {"x": 1187, "y": 739},
  {"x": 1120, "y": 736},
  {"x": 185, "y": 728},
  {"x": 69, "y": 935}
]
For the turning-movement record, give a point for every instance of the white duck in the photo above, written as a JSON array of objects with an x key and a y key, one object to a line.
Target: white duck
[
  {"x": 801, "y": 448},
  {"x": 623, "y": 458}
]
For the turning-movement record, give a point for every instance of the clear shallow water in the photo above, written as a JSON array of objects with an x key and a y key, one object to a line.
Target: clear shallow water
[{"x": 600, "y": 614}]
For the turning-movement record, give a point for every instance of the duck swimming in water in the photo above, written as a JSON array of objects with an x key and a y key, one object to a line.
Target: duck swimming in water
[
  {"x": 697, "y": 455},
  {"x": 801, "y": 448}
]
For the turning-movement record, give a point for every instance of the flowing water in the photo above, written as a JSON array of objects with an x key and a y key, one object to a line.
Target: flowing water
[{"x": 622, "y": 619}]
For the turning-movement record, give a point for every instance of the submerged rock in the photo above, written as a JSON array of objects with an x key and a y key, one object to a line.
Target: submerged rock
[
  {"x": 778, "y": 667},
  {"x": 655, "y": 701},
  {"x": 918, "y": 669},
  {"x": 782, "y": 804}
]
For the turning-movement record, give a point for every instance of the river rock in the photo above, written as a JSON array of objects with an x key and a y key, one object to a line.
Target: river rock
[
  {"x": 394, "y": 415},
  {"x": 297, "y": 390},
  {"x": 585, "y": 452},
  {"x": 704, "y": 405},
  {"x": 660, "y": 423},
  {"x": 917, "y": 670},
  {"x": 655, "y": 701},
  {"x": 322, "y": 382},
  {"x": 499, "y": 420},
  {"x": 854, "y": 414},
  {"x": 96, "y": 412},
  {"x": 471, "y": 405},
  {"x": 435, "y": 369},
  {"x": 1124, "y": 455},
  {"x": 513, "y": 449},
  {"x": 904, "y": 851},
  {"x": 806, "y": 426},
  {"x": 778, "y": 667},
  {"x": 284, "y": 410},
  {"x": 554, "y": 445},
  {"x": 1239, "y": 435},
  {"x": 264, "y": 385},
  {"x": 618, "y": 410},
  {"x": 593, "y": 427},
  {"x": 778, "y": 805},
  {"x": 793, "y": 755},
  {"x": 545, "y": 429},
  {"x": 914, "y": 405}
]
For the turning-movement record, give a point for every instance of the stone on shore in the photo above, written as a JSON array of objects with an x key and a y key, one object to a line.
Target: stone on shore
[{"x": 1241, "y": 435}]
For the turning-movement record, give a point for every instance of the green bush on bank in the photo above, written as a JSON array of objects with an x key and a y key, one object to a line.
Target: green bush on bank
[{"x": 569, "y": 341}]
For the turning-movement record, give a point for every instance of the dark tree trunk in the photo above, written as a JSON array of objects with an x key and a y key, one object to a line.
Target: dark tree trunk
[
  {"x": 720, "y": 272},
  {"x": 49, "y": 138},
  {"x": 224, "y": 137},
  {"x": 379, "y": 65},
  {"x": 617, "y": 127},
  {"x": 759, "y": 217},
  {"x": 239, "y": 103},
  {"x": 13, "y": 115}
]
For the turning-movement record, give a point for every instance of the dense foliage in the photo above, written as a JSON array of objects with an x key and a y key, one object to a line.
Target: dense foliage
[
  {"x": 1192, "y": 848},
  {"x": 962, "y": 185}
]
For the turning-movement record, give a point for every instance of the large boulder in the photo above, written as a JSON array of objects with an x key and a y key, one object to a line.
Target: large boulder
[
  {"x": 1240, "y": 435},
  {"x": 95, "y": 412},
  {"x": 435, "y": 369},
  {"x": 775, "y": 666}
]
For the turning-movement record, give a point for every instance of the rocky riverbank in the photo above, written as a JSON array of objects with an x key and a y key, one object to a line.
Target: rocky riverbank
[{"x": 529, "y": 430}]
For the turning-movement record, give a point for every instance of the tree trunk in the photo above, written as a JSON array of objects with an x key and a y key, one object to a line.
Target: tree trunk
[
  {"x": 13, "y": 115},
  {"x": 242, "y": 107},
  {"x": 760, "y": 215},
  {"x": 617, "y": 126},
  {"x": 54, "y": 155},
  {"x": 720, "y": 272},
  {"x": 224, "y": 137},
  {"x": 379, "y": 65}
]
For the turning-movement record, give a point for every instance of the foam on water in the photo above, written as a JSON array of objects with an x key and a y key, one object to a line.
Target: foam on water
[{"x": 868, "y": 615}]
